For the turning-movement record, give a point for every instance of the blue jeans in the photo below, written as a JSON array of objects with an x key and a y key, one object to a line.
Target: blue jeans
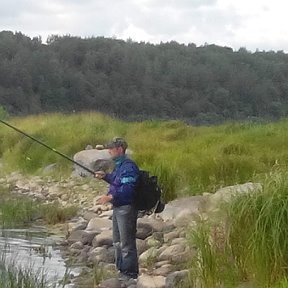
[{"x": 124, "y": 240}]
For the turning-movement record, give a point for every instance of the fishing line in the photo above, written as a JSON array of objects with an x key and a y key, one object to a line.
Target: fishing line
[{"x": 48, "y": 147}]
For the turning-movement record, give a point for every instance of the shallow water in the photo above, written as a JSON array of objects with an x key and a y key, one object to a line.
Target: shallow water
[{"x": 33, "y": 249}]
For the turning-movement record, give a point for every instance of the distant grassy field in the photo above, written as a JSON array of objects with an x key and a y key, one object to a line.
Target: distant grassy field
[{"x": 188, "y": 160}]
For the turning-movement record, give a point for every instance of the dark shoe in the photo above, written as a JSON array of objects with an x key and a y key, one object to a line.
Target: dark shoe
[{"x": 160, "y": 207}]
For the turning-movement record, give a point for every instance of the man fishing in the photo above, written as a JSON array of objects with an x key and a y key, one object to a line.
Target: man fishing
[{"x": 121, "y": 193}]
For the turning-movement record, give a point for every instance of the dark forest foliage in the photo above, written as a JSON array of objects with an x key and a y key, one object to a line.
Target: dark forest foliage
[{"x": 206, "y": 84}]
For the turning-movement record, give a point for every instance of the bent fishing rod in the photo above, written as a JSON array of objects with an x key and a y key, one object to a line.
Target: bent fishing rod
[{"x": 48, "y": 147}]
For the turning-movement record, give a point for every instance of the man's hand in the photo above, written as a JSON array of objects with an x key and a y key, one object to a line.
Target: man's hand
[
  {"x": 100, "y": 174},
  {"x": 104, "y": 199}
]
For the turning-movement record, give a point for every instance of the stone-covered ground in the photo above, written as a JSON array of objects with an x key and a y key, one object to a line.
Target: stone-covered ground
[{"x": 87, "y": 239}]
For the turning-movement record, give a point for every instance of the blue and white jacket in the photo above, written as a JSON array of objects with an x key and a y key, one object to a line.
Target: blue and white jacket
[{"x": 122, "y": 181}]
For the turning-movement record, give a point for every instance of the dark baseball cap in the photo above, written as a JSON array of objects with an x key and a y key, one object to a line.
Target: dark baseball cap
[{"x": 116, "y": 142}]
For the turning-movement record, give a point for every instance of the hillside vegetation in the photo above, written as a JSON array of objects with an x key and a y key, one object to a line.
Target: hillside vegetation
[
  {"x": 188, "y": 160},
  {"x": 205, "y": 84}
]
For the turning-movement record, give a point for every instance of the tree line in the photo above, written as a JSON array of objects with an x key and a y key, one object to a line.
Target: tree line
[{"x": 131, "y": 80}]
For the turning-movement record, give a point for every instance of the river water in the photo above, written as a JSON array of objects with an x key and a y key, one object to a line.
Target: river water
[{"x": 33, "y": 249}]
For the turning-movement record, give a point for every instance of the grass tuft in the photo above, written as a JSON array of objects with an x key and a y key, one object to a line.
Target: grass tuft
[
  {"x": 12, "y": 276},
  {"x": 20, "y": 211}
]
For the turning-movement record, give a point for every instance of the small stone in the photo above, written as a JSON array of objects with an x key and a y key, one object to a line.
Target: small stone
[{"x": 99, "y": 147}]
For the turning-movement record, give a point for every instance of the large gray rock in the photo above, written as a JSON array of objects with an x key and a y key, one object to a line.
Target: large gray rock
[
  {"x": 98, "y": 254},
  {"x": 75, "y": 236},
  {"x": 164, "y": 270},
  {"x": 81, "y": 224},
  {"x": 89, "y": 215},
  {"x": 225, "y": 194},
  {"x": 99, "y": 224},
  {"x": 144, "y": 230},
  {"x": 173, "y": 279},
  {"x": 168, "y": 237},
  {"x": 141, "y": 246},
  {"x": 82, "y": 236},
  {"x": 183, "y": 208},
  {"x": 104, "y": 238},
  {"x": 147, "y": 281},
  {"x": 110, "y": 283},
  {"x": 156, "y": 225},
  {"x": 93, "y": 159},
  {"x": 173, "y": 252}
]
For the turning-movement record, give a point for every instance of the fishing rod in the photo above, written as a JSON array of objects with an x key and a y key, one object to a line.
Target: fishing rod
[{"x": 48, "y": 147}]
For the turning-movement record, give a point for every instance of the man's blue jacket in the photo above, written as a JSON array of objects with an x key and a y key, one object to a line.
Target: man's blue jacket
[{"x": 122, "y": 181}]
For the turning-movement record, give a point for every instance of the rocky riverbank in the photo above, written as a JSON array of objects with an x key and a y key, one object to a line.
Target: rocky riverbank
[{"x": 87, "y": 239}]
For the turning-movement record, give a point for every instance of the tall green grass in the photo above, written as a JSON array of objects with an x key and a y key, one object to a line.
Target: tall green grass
[
  {"x": 249, "y": 245},
  {"x": 214, "y": 265},
  {"x": 259, "y": 234},
  {"x": 188, "y": 160},
  {"x": 12, "y": 276},
  {"x": 17, "y": 212},
  {"x": 53, "y": 213},
  {"x": 20, "y": 211}
]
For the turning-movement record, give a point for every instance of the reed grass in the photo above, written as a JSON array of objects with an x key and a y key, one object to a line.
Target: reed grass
[
  {"x": 20, "y": 211},
  {"x": 283, "y": 283},
  {"x": 16, "y": 212},
  {"x": 249, "y": 245},
  {"x": 214, "y": 265},
  {"x": 259, "y": 234},
  {"x": 12, "y": 276},
  {"x": 53, "y": 213}
]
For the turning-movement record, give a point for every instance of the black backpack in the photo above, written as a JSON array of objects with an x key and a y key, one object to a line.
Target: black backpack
[{"x": 148, "y": 193}]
